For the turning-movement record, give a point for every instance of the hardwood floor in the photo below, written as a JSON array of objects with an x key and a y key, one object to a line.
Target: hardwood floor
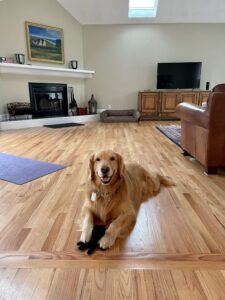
[{"x": 175, "y": 251}]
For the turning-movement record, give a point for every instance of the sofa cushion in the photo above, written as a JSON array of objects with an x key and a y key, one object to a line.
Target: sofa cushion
[{"x": 128, "y": 112}]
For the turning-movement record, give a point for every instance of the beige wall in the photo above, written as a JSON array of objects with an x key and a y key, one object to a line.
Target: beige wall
[
  {"x": 13, "y": 14},
  {"x": 125, "y": 57}
]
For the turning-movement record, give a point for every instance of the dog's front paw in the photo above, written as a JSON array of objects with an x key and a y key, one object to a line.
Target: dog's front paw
[
  {"x": 106, "y": 241},
  {"x": 86, "y": 235}
]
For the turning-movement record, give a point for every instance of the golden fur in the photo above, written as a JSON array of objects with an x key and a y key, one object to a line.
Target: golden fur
[{"x": 115, "y": 198}]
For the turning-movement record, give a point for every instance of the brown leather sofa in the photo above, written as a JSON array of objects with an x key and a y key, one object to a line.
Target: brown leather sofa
[{"x": 203, "y": 130}]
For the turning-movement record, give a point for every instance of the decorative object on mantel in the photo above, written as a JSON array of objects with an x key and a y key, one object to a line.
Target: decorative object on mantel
[
  {"x": 45, "y": 43},
  {"x": 20, "y": 58},
  {"x": 2, "y": 59},
  {"x": 9, "y": 60},
  {"x": 6, "y": 60},
  {"x": 74, "y": 64},
  {"x": 92, "y": 105},
  {"x": 73, "y": 102}
]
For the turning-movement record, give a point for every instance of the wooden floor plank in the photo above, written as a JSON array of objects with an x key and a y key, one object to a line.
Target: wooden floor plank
[
  {"x": 58, "y": 284},
  {"x": 175, "y": 251}
]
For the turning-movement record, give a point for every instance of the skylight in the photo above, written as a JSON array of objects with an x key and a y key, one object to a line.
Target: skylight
[{"x": 142, "y": 8}]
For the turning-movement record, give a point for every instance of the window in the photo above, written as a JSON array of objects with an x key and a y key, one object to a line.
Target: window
[{"x": 142, "y": 8}]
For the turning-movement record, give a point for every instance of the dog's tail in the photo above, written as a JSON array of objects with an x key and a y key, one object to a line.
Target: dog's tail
[{"x": 165, "y": 180}]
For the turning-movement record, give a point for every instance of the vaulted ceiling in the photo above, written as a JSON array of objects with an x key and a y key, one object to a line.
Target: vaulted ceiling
[{"x": 169, "y": 11}]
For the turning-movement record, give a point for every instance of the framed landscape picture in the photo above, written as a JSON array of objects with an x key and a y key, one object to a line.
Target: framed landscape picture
[{"x": 45, "y": 43}]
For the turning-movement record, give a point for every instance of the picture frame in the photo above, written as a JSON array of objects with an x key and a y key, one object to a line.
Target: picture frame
[{"x": 44, "y": 43}]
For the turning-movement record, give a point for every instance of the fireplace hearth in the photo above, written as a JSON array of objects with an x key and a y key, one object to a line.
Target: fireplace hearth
[{"x": 48, "y": 99}]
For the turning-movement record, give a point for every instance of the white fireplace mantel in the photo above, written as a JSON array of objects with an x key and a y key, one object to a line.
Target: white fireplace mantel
[{"x": 6, "y": 68}]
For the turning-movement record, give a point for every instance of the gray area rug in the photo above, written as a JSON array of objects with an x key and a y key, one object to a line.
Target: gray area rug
[
  {"x": 173, "y": 132},
  {"x": 20, "y": 170},
  {"x": 63, "y": 125}
]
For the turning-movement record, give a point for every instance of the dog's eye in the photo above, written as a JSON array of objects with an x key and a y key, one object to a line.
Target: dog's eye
[
  {"x": 98, "y": 159},
  {"x": 112, "y": 158}
]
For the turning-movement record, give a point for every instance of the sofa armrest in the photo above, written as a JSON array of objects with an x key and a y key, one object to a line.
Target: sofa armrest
[{"x": 193, "y": 114}]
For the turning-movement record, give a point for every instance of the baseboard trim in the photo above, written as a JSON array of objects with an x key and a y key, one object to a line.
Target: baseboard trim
[{"x": 19, "y": 124}]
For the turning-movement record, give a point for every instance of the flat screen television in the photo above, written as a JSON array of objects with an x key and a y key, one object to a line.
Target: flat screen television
[{"x": 186, "y": 75}]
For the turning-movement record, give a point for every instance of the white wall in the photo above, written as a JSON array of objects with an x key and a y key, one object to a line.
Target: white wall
[
  {"x": 125, "y": 57},
  {"x": 13, "y": 14}
]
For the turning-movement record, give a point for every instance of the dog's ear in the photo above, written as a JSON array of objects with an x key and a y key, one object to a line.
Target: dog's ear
[
  {"x": 121, "y": 166},
  {"x": 91, "y": 166}
]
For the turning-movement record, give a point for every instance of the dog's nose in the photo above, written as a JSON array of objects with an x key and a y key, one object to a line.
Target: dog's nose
[{"x": 104, "y": 170}]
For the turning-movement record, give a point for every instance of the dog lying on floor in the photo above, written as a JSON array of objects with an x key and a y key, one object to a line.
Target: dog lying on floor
[{"x": 114, "y": 195}]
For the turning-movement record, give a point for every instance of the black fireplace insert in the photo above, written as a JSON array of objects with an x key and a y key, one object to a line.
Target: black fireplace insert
[{"x": 48, "y": 99}]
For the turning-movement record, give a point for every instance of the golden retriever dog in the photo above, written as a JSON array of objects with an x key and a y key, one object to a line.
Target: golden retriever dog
[{"x": 114, "y": 194}]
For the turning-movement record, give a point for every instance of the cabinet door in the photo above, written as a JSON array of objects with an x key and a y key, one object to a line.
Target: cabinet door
[
  {"x": 203, "y": 97},
  {"x": 169, "y": 102},
  {"x": 190, "y": 97},
  {"x": 149, "y": 103}
]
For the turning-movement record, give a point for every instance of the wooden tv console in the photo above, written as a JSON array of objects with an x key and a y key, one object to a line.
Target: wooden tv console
[{"x": 161, "y": 104}]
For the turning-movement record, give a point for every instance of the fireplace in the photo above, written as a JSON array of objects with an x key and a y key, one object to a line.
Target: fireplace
[{"x": 48, "y": 99}]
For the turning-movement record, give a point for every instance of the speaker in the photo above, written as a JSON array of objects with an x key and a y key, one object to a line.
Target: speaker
[{"x": 207, "y": 85}]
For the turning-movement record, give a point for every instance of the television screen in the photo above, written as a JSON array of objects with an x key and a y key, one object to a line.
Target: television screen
[{"x": 185, "y": 75}]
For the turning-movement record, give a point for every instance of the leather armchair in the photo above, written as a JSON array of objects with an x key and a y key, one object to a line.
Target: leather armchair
[{"x": 203, "y": 130}]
